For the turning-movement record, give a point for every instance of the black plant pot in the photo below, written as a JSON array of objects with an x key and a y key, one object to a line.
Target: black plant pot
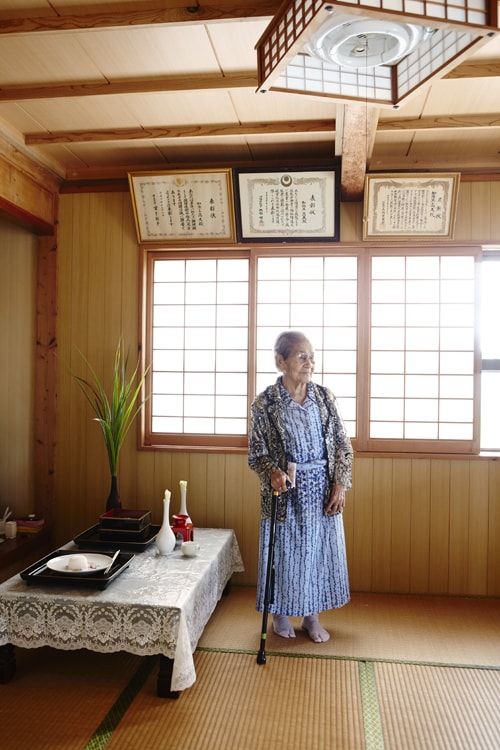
[{"x": 113, "y": 500}]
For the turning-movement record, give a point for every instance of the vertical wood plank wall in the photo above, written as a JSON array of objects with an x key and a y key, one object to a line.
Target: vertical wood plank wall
[
  {"x": 18, "y": 264},
  {"x": 418, "y": 525}
]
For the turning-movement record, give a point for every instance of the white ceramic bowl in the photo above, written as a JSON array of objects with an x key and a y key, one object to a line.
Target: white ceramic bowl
[{"x": 190, "y": 549}]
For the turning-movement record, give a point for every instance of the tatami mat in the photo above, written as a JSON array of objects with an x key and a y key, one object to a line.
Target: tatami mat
[
  {"x": 439, "y": 630},
  {"x": 286, "y": 704},
  {"x": 438, "y": 708},
  {"x": 58, "y": 698}
]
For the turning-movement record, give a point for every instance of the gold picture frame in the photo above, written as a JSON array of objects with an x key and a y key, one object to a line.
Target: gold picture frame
[
  {"x": 183, "y": 206},
  {"x": 410, "y": 206}
]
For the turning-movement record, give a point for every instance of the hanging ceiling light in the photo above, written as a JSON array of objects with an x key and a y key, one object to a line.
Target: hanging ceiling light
[{"x": 373, "y": 53}]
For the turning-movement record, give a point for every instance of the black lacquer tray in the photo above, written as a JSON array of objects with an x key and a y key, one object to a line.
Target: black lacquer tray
[
  {"x": 91, "y": 540},
  {"x": 39, "y": 573}
]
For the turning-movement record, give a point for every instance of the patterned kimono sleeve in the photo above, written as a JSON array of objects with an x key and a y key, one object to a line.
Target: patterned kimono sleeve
[
  {"x": 344, "y": 453},
  {"x": 258, "y": 452}
]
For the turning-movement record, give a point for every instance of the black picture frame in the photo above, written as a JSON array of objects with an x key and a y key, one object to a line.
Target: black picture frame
[{"x": 292, "y": 204}]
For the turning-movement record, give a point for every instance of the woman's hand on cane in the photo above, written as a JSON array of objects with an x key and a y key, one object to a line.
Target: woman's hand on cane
[{"x": 279, "y": 480}]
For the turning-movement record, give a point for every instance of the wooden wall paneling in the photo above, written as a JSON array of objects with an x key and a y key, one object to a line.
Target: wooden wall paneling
[
  {"x": 463, "y": 220},
  {"x": 45, "y": 379},
  {"x": 18, "y": 249},
  {"x": 477, "y": 558},
  {"x": 360, "y": 556},
  {"x": 494, "y": 212},
  {"x": 382, "y": 523},
  {"x": 239, "y": 513},
  {"x": 72, "y": 467},
  {"x": 420, "y": 526},
  {"x": 401, "y": 526},
  {"x": 480, "y": 211},
  {"x": 351, "y": 222},
  {"x": 494, "y": 528},
  {"x": 215, "y": 502},
  {"x": 459, "y": 526},
  {"x": 100, "y": 354},
  {"x": 439, "y": 527}
]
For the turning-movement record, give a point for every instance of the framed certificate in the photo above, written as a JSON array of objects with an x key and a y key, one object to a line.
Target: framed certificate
[
  {"x": 192, "y": 205},
  {"x": 287, "y": 204},
  {"x": 410, "y": 206}
]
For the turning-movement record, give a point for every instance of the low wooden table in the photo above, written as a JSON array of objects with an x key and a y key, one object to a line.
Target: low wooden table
[{"x": 158, "y": 605}]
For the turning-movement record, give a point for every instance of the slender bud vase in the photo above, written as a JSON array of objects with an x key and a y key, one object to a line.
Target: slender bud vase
[
  {"x": 183, "y": 510},
  {"x": 165, "y": 539}
]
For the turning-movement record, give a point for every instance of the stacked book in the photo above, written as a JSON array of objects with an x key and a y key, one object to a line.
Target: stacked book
[{"x": 30, "y": 524}]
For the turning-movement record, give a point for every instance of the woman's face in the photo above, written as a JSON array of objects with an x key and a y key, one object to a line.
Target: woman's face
[{"x": 299, "y": 366}]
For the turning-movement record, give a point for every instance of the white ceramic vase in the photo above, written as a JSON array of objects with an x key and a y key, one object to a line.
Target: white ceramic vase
[
  {"x": 183, "y": 508},
  {"x": 165, "y": 539}
]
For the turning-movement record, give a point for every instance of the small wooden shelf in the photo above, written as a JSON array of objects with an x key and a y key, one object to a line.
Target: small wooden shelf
[{"x": 16, "y": 554}]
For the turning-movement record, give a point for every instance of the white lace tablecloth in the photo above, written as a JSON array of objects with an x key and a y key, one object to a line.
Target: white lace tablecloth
[{"x": 158, "y": 605}]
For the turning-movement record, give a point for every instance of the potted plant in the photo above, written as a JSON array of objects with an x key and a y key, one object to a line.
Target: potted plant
[{"x": 116, "y": 412}]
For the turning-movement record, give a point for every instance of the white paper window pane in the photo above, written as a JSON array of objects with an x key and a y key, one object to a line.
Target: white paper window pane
[
  {"x": 456, "y": 386},
  {"x": 341, "y": 268},
  {"x": 388, "y": 291},
  {"x": 391, "y": 409},
  {"x": 273, "y": 268},
  {"x": 232, "y": 269},
  {"x": 228, "y": 294},
  {"x": 277, "y": 315},
  {"x": 230, "y": 406},
  {"x": 231, "y": 338},
  {"x": 341, "y": 361},
  {"x": 200, "y": 315},
  {"x": 169, "y": 270},
  {"x": 171, "y": 405},
  {"x": 457, "y": 339},
  {"x": 457, "y": 315},
  {"x": 388, "y": 268},
  {"x": 341, "y": 385},
  {"x": 457, "y": 362},
  {"x": 423, "y": 339},
  {"x": 457, "y": 267},
  {"x": 421, "y": 431},
  {"x": 387, "y": 385},
  {"x": 199, "y": 426},
  {"x": 388, "y": 338},
  {"x": 169, "y": 294},
  {"x": 232, "y": 361},
  {"x": 306, "y": 315},
  {"x": 233, "y": 315},
  {"x": 421, "y": 410},
  {"x": 198, "y": 383},
  {"x": 167, "y": 424},
  {"x": 306, "y": 291},
  {"x": 387, "y": 362},
  {"x": 457, "y": 290},
  {"x": 456, "y": 410},
  {"x": 168, "y": 383},
  {"x": 455, "y": 431},
  {"x": 340, "y": 291},
  {"x": 165, "y": 359},
  {"x": 422, "y": 267},
  {"x": 388, "y": 315},
  {"x": 199, "y": 406},
  {"x": 422, "y": 386},
  {"x": 425, "y": 363},
  {"x": 231, "y": 383},
  {"x": 201, "y": 270},
  {"x": 386, "y": 430},
  {"x": 202, "y": 339},
  {"x": 199, "y": 361},
  {"x": 427, "y": 290},
  {"x": 490, "y": 411},
  {"x": 168, "y": 338},
  {"x": 200, "y": 294},
  {"x": 231, "y": 427},
  {"x": 273, "y": 291},
  {"x": 345, "y": 315},
  {"x": 303, "y": 269},
  {"x": 422, "y": 315}
]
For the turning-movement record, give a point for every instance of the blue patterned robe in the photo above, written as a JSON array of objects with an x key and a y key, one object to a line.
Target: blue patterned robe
[{"x": 310, "y": 560}]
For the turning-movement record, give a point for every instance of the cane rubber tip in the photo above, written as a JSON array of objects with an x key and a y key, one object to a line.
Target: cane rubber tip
[{"x": 261, "y": 658}]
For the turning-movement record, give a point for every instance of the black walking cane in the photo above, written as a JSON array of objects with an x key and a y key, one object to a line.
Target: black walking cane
[{"x": 269, "y": 589}]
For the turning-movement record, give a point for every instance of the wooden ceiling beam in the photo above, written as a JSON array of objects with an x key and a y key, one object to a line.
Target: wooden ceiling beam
[
  {"x": 354, "y": 143},
  {"x": 202, "y": 82},
  {"x": 242, "y": 79},
  {"x": 180, "y": 131},
  {"x": 450, "y": 122},
  {"x": 137, "y": 14}
]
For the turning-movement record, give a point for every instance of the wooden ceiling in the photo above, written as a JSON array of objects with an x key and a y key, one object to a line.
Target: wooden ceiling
[{"x": 92, "y": 90}]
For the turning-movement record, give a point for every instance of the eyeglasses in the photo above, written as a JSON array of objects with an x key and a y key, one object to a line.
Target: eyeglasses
[{"x": 304, "y": 357}]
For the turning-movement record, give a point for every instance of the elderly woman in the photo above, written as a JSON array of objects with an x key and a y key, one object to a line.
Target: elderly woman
[{"x": 296, "y": 421}]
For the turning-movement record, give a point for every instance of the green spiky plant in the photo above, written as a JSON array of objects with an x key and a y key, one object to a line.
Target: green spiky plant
[{"x": 114, "y": 413}]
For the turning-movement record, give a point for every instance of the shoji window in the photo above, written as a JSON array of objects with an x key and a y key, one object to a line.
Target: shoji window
[
  {"x": 422, "y": 372},
  {"x": 490, "y": 351}
]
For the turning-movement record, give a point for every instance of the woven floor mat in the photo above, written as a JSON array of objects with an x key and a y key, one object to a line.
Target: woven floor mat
[
  {"x": 57, "y": 698},
  {"x": 438, "y": 708},
  {"x": 286, "y": 704},
  {"x": 438, "y": 630}
]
